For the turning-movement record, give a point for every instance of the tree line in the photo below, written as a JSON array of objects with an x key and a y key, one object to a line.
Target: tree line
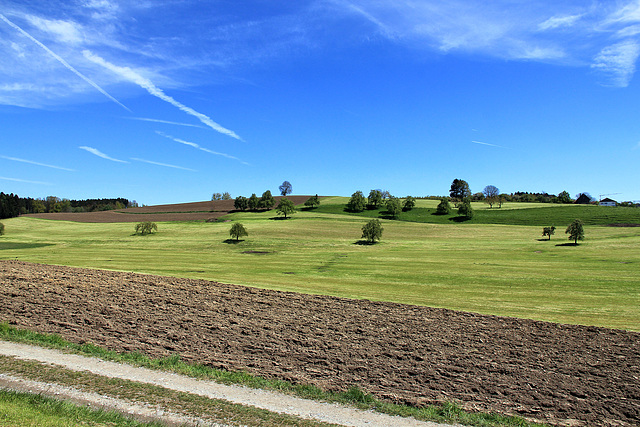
[{"x": 12, "y": 205}]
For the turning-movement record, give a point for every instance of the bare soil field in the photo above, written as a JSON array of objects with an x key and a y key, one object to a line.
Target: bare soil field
[
  {"x": 561, "y": 374},
  {"x": 196, "y": 211}
]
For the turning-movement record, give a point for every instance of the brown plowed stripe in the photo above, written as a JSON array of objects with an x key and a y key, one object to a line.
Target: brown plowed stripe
[
  {"x": 546, "y": 371},
  {"x": 196, "y": 211}
]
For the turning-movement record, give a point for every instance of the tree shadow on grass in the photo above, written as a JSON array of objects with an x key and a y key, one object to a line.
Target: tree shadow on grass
[
  {"x": 459, "y": 219},
  {"x": 279, "y": 218},
  {"x": 364, "y": 243},
  {"x": 232, "y": 241},
  {"x": 568, "y": 244},
  {"x": 543, "y": 240}
]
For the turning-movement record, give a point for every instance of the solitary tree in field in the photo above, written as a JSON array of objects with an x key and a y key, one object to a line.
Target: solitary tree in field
[
  {"x": 253, "y": 202},
  {"x": 459, "y": 190},
  {"x": 393, "y": 207},
  {"x": 312, "y": 202},
  {"x": 146, "y": 227},
  {"x": 241, "y": 203},
  {"x": 372, "y": 231},
  {"x": 285, "y": 207},
  {"x": 444, "y": 208},
  {"x": 237, "y": 230},
  {"x": 375, "y": 199},
  {"x": 575, "y": 230},
  {"x": 356, "y": 203},
  {"x": 548, "y": 231},
  {"x": 465, "y": 209},
  {"x": 267, "y": 201},
  {"x": 491, "y": 194},
  {"x": 409, "y": 203},
  {"x": 285, "y": 188}
]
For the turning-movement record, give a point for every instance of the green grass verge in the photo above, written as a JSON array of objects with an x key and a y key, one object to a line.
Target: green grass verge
[
  {"x": 25, "y": 409},
  {"x": 485, "y": 268},
  {"x": 447, "y": 412}
]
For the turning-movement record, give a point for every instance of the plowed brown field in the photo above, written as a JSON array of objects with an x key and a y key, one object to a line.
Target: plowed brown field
[
  {"x": 196, "y": 211},
  {"x": 562, "y": 374}
]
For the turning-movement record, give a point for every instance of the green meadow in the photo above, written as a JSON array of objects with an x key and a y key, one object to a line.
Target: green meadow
[{"x": 478, "y": 266}]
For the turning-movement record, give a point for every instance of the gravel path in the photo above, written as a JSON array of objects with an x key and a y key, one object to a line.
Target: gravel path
[{"x": 275, "y": 402}]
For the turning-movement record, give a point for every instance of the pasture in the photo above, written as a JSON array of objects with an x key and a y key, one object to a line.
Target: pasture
[{"x": 473, "y": 266}]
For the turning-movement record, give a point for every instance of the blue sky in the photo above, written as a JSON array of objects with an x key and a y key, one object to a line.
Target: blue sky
[{"x": 170, "y": 101}]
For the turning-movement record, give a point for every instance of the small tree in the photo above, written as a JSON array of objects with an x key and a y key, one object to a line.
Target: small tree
[
  {"x": 465, "y": 209},
  {"x": 312, "y": 202},
  {"x": 575, "y": 230},
  {"x": 393, "y": 207},
  {"x": 146, "y": 227},
  {"x": 285, "y": 188},
  {"x": 216, "y": 196},
  {"x": 285, "y": 207},
  {"x": 357, "y": 202},
  {"x": 459, "y": 190},
  {"x": 253, "y": 203},
  {"x": 491, "y": 194},
  {"x": 241, "y": 203},
  {"x": 409, "y": 203},
  {"x": 372, "y": 230},
  {"x": 564, "y": 197},
  {"x": 1, "y": 229},
  {"x": 226, "y": 196},
  {"x": 374, "y": 200},
  {"x": 444, "y": 208},
  {"x": 267, "y": 201},
  {"x": 548, "y": 231},
  {"x": 237, "y": 230}
]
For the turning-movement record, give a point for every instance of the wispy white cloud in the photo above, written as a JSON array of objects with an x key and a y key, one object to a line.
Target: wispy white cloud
[
  {"x": 26, "y": 181},
  {"x": 16, "y": 159},
  {"x": 146, "y": 84},
  {"x": 64, "y": 31},
  {"x": 559, "y": 22},
  {"x": 62, "y": 61},
  {"x": 618, "y": 62},
  {"x": 101, "y": 154},
  {"x": 162, "y": 164},
  {"x": 145, "y": 119},
  {"x": 206, "y": 150},
  {"x": 486, "y": 143}
]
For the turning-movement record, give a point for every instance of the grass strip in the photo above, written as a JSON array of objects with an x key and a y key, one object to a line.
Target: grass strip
[
  {"x": 214, "y": 410},
  {"x": 22, "y": 409},
  {"x": 447, "y": 412}
]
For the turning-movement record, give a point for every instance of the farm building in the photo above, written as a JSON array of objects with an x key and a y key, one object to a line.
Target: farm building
[
  {"x": 583, "y": 199},
  {"x": 608, "y": 202}
]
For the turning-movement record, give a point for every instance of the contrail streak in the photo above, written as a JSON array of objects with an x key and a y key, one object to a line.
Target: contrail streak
[
  {"x": 163, "y": 164},
  {"x": 146, "y": 84},
  {"x": 63, "y": 62},
  {"x": 25, "y": 180},
  {"x": 100, "y": 154},
  {"x": 144, "y": 119},
  {"x": 206, "y": 150},
  {"x": 486, "y": 143},
  {"x": 15, "y": 159}
]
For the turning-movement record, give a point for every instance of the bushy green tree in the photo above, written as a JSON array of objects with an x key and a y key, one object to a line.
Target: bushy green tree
[
  {"x": 285, "y": 188},
  {"x": 146, "y": 227},
  {"x": 548, "y": 231},
  {"x": 465, "y": 209},
  {"x": 267, "y": 201},
  {"x": 241, "y": 203},
  {"x": 372, "y": 230},
  {"x": 575, "y": 230},
  {"x": 312, "y": 202},
  {"x": 357, "y": 202},
  {"x": 226, "y": 196},
  {"x": 216, "y": 196},
  {"x": 564, "y": 197},
  {"x": 444, "y": 208},
  {"x": 409, "y": 203},
  {"x": 1, "y": 229},
  {"x": 393, "y": 207},
  {"x": 375, "y": 199},
  {"x": 253, "y": 203},
  {"x": 237, "y": 231},
  {"x": 459, "y": 190},
  {"x": 285, "y": 207}
]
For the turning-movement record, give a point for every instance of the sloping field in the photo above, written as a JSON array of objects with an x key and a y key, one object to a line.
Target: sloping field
[
  {"x": 196, "y": 211},
  {"x": 566, "y": 375}
]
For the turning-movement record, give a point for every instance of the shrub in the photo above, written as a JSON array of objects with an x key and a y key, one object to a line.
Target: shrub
[
  {"x": 1, "y": 229},
  {"x": 465, "y": 209},
  {"x": 444, "y": 208},
  {"x": 409, "y": 203},
  {"x": 146, "y": 227}
]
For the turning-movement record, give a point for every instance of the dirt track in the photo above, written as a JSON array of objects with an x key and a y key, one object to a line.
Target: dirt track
[{"x": 556, "y": 373}]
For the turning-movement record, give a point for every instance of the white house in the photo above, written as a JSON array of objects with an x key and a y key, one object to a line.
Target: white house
[{"x": 608, "y": 202}]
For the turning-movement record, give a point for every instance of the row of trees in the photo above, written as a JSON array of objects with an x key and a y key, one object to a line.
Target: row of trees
[{"x": 12, "y": 205}]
